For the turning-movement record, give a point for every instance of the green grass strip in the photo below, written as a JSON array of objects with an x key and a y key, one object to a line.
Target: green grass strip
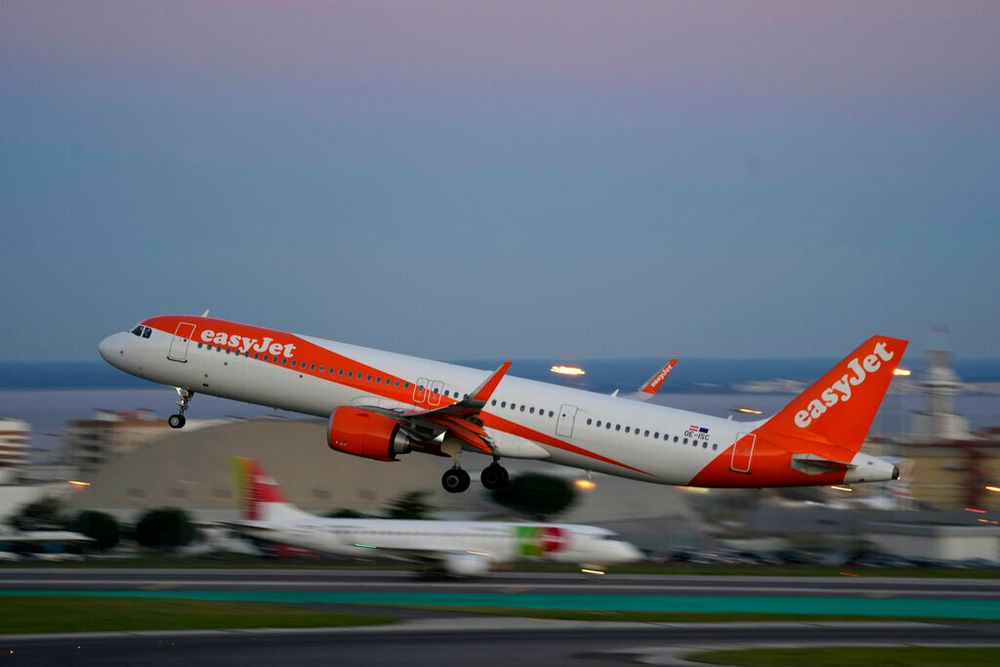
[
  {"x": 891, "y": 656},
  {"x": 24, "y": 614},
  {"x": 667, "y": 616}
]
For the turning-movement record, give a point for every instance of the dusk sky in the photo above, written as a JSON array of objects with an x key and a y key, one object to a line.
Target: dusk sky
[{"x": 478, "y": 179}]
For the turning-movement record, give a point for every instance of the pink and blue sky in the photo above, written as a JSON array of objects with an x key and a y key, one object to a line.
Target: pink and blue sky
[{"x": 487, "y": 179}]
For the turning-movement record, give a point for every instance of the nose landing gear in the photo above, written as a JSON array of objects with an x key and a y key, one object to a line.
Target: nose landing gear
[{"x": 178, "y": 420}]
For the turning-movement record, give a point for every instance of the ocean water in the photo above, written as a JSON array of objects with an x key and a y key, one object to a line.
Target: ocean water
[{"x": 711, "y": 376}]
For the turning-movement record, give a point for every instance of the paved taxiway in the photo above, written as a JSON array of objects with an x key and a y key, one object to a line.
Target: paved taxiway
[{"x": 459, "y": 640}]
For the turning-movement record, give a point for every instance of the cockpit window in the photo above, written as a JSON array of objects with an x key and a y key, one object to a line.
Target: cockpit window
[
  {"x": 146, "y": 332},
  {"x": 612, "y": 537},
  {"x": 137, "y": 331}
]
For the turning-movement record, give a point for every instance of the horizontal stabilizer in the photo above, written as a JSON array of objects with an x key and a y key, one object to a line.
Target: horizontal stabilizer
[{"x": 813, "y": 465}]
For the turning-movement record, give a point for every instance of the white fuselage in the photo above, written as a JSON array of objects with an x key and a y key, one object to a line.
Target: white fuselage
[
  {"x": 494, "y": 542},
  {"x": 526, "y": 419}
]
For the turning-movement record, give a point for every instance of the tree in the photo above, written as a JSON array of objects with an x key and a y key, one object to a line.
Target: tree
[
  {"x": 344, "y": 513},
  {"x": 165, "y": 529},
  {"x": 409, "y": 505},
  {"x": 101, "y": 527},
  {"x": 535, "y": 495},
  {"x": 43, "y": 514}
]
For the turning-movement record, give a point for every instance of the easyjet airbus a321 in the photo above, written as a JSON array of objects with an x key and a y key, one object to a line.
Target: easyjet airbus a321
[{"x": 381, "y": 405}]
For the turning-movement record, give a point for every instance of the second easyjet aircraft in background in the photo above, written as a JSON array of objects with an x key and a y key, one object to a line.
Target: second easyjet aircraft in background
[{"x": 382, "y": 405}]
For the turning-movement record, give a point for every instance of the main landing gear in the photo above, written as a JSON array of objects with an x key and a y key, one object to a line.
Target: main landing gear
[
  {"x": 457, "y": 480},
  {"x": 178, "y": 420},
  {"x": 494, "y": 476}
]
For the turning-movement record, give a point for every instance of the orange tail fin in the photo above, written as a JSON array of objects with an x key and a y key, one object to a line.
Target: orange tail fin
[{"x": 839, "y": 408}]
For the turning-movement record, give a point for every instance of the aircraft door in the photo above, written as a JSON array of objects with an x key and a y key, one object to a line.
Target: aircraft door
[
  {"x": 434, "y": 397},
  {"x": 420, "y": 390},
  {"x": 743, "y": 452},
  {"x": 179, "y": 343},
  {"x": 567, "y": 415}
]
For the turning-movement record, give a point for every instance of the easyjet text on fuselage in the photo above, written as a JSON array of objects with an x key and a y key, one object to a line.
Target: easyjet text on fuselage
[{"x": 244, "y": 344}]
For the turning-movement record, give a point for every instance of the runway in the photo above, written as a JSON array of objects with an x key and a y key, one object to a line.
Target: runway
[
  {"x": 435, "y": 636},
  {"x": 501, "y": 642}
]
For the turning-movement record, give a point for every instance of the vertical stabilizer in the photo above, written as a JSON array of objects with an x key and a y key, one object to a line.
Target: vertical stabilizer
[
  {"x": 260, "y": 497},
  {"x": 838, "y": 409}
]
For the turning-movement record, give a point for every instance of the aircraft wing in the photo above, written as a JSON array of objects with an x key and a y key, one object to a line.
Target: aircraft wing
[
  {"x": 461, "y": 418},
  {"x": 652, "y": 385}
]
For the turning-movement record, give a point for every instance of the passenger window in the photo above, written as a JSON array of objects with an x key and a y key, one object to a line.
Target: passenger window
[
  {"x": 446, "y": 392},
  {"x": 503, "y": 404},
  {"x": 256, "y": 355},
  {"x": 199, "y": 346},
  {"x": 685, "y": 441},
  {"x": 284, "y": 362},
  {"x": 312, "y": 367},
  {"x": 294, "y": 363},
  {"x": 646, "y": 434},
  {"x": 656, "y": 435},
  {"x": 608, "y": 426},
  {"x": 406, "y": 385},
  {"x": 493, "y": 402},
  {"x": 618, "y": 427},
  {"x": 522, "y": 408},
  {"x": 370, "y": 379},
  {"x": 588, "y": 419},
  {"x": 513, "y": 406},
  {"x": 550, "y": 413},
  {"x": 322, "y": 369},
  {"x": 675, "y": 438},
  {"x": 627, "y": 429}
]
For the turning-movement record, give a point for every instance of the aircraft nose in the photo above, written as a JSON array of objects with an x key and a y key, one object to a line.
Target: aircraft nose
[
  {"x": 632, "y": 554},
  {"x": 110, "y": 348}
]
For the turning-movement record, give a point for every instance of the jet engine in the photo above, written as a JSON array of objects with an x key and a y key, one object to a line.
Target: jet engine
[
  {"x": 367, "y": 434},
  {"x": 466, "y": 564}
]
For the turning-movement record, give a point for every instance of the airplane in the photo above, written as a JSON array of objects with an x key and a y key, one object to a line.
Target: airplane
[
  {"x": 381, "y": 405},
  {"x": 462, "y": 548}
]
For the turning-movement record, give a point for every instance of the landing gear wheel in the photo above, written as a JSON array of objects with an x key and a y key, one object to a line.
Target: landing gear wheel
[
  {"x": 455, "y": 480},
  {"x": 494, "y": 476},
  {"x": 178, "y": 420}
]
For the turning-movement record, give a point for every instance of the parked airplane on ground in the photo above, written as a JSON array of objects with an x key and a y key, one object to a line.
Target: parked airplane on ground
[
  {"x": 457, "y": 547},
  {"x": 381, "y": 405}
]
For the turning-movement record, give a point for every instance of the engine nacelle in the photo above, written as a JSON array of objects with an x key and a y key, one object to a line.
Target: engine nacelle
[
  {"x": 367, "y": 434},
  {"x": 466, "y": 564}
]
